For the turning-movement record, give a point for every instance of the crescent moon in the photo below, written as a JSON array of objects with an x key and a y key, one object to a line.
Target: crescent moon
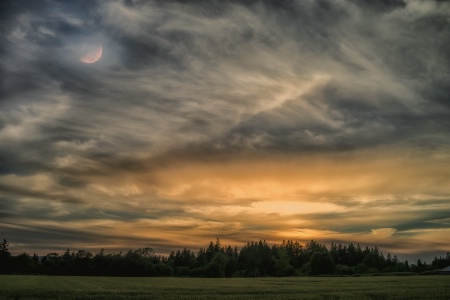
[{"x": 93, "y": 55}]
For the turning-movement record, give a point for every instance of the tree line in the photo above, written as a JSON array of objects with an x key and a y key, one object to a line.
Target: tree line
[{"x": 255, "y": 259}]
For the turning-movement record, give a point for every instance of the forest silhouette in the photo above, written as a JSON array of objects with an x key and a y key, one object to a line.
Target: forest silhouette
[{"x": 255, "y": 259}]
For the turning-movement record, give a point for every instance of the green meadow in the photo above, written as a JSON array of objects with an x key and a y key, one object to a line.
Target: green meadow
[{"x": 370, "y": 287}]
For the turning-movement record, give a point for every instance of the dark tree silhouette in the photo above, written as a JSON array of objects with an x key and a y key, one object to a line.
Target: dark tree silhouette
[
  {"x": 322, "y": 263},
  {"x": 217, "y": 260},
  {"x": 5, "y": 258}
]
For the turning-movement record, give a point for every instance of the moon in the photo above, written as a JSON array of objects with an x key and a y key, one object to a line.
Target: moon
[{"x": 92, "y": 55}]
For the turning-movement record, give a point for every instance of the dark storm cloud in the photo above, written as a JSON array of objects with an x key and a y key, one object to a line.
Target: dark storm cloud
[
  {"x": 369, "y": 96},
  {"x": 48, "y": 238},
  {"x": 21, "y": 192},
  {"x": 359, "y": 221},
  {"x": 184, "y": 82}
]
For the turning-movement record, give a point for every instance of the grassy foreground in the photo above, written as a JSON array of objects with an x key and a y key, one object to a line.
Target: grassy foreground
[{"x": 387, "y": 287}]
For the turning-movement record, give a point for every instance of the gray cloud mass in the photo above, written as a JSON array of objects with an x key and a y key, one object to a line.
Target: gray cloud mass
[{"x": 186, "y": 81}]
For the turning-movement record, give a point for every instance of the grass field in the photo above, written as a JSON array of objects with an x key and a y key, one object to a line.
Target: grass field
[{"x": 383, "y": 287}]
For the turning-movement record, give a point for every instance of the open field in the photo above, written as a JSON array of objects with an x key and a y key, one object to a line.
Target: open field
[{"x": 384, "y": 287}]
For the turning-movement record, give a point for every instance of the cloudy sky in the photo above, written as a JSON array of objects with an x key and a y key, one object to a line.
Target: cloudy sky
[{"x": 243, "y": 120}]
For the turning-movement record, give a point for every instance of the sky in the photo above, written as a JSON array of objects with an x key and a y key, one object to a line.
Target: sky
[{"x": 242, "y": 120}]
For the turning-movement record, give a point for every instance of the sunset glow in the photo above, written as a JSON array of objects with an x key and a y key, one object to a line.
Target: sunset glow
[{"x": 268, "y": 120}]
